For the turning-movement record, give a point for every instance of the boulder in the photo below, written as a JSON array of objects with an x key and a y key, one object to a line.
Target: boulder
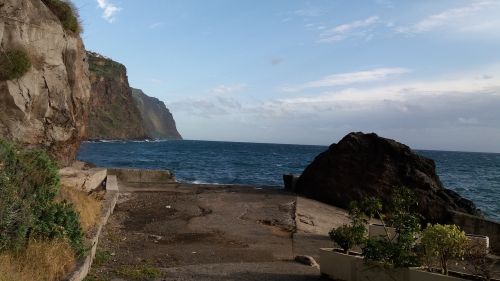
[{"x": 366, "y": 165}]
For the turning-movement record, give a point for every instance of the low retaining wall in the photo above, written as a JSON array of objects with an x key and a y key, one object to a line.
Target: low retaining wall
[
  {"x": 142, "y": 176},
  {"x": 479, "y": 226},
  {"x": 108, "y": 206}
]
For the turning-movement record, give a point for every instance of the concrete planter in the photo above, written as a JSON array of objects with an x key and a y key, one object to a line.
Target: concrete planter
[
  {"x": 337, "y": 266},
  {"x": 479, "y": 243},
  {"x": 378, "y": 272},
  {"x": 416, "y": 274}
]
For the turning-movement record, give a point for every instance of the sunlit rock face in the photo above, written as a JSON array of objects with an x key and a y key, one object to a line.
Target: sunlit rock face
[
  {"x": 157, "y": 119},
  {"x": 47, "y": 106},
  {"x": 113, "y": 112}
]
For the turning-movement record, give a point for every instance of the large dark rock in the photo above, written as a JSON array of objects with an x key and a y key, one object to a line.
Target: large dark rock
[{"x": 366, "y": 165}]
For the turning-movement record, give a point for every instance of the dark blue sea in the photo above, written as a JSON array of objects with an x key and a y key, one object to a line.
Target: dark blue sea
[{"x": 475, "y": 176}]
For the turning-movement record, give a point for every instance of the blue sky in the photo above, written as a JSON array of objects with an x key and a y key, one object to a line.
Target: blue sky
[{"x": 426, "y": 73}]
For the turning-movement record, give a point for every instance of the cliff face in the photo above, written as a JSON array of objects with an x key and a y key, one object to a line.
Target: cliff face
[
  {"x": 47, "y": 106},
  {"x": 156, "y": 118},
  {"x": 113, "y": 113}
]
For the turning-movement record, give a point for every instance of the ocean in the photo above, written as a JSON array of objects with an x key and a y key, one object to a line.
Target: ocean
[{"x": 475, "y": 176}]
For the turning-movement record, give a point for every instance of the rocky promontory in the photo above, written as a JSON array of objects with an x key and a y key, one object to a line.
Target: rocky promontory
[
  {"x": 118, "y": 111},
  {"x": 366, "y": 165},
  {"x": 156, "y": 118},
  {"x": 44, "y": 106},
  {"x": 113, "y": 113}
]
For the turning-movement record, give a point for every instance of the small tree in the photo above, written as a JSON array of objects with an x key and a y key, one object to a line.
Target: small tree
[
  {"x": 443, "y": 242},
  {"x": 398, "y": 251}
]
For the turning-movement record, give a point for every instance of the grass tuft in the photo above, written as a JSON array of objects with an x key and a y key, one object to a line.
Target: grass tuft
[
  {"x": 138, "y": 273},
  {"x": 66, "y": 13},
  {"x": 40, "y": 261},
  {"x": 13, "y": 64},
  {"x": 102, "y": 257},
  {"x": 87, "y": 207}
]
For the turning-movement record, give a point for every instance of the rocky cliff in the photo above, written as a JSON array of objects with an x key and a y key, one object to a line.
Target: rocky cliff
[
  {"x": 366, "y": 165},
  {"x": 113, "y": 112},
  {"x": 156, "y": 118},
  {"x": 45, "y": 105}
]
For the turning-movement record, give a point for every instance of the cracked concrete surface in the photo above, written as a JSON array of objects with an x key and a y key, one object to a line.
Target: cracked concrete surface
[{"x": 207, "y": 232}]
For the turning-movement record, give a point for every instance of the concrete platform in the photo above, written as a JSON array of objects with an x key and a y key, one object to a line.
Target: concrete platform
[{"x": 211, "y": 232}]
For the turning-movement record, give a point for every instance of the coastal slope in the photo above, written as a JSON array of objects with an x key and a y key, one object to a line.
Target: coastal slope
[
  {"x": 156, "y": 118},
  {"x": 113, "y": 113},
  {"x": 44, "y": 106}
]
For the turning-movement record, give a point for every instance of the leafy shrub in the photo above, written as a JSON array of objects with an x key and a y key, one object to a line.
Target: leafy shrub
[
  {"x": 347, "y": 236},
  {"x": 13, "y": 64},
  {"x": 29, "y": 184},
  {"x": 443, "y": 242},
  {"x": 66, "y": 13},
  {"x": 60, "y": 220}
]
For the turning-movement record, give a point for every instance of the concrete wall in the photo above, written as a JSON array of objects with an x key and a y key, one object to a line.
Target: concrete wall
[
  {"x": 475, "y": 225},
  {"x": 142, "y": 176},
  {"x": 108, "y": 205}
]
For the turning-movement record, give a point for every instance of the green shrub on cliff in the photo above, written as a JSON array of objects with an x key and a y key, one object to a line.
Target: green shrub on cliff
[
  {"x": 13, "y": 64},
  {"x": 29, "y": 183},
  {"x": 66, "y": 13}
]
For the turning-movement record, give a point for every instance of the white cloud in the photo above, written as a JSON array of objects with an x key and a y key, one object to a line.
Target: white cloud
[
  {"x": 359, "y": 28},
  {"x": 228, "y": 89},
  {"x": 468, "y": 121},
  {"x": 156, "y": 25},
  {"x": 341, "y": 79},
  {"x": 220, "y": 102},
  {"x": 156, "y": 81},
  {"x": 458, "y": 112},
  {"x": 446, "y": 99},
  {"x": 109, "y": 9},
  {"x": 447, "y": 17},
  {"x": 309, "y": 12}
]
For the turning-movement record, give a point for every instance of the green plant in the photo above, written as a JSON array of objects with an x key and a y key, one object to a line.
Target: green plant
[
  {"x": 60, "y": 220},
  {"x": 29, "y": 184},
  {"x": 13, "y": 64},
  {"x": 138, "y": 273},
  {"x": 102, "y": 257},
  {"x": 400, "y": 250},
  {"x": 443, "y": 242},
  {"x": 347, "y": 236},
  {"x": 66, "y": 13}
]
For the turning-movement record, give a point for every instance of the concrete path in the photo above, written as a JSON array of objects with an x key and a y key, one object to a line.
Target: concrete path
[{"x": 172, "y": 231}]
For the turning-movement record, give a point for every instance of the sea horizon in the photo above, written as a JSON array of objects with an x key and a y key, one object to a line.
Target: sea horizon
[{"x": 271, "y": 143}]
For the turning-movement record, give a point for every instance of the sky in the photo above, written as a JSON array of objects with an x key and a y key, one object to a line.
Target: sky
[{"x": 426, "y": 73}]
